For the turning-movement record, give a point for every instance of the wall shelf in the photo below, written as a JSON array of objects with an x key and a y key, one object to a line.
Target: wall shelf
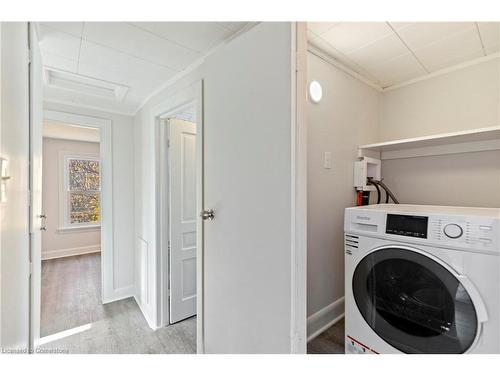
[{"x": 482, "y": 139}]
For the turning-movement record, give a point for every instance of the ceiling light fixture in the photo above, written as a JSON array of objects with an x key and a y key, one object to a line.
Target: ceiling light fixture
[{"x": 315, "y": 91}]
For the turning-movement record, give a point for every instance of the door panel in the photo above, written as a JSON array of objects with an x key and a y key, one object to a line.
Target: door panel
[
  {"x": 247, "y": 182},
  {"x": 182, "y": 155},
  {"x": 15, "y": 210}
]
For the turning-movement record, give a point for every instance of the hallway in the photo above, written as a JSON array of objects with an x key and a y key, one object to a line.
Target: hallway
[{"x": 73, "y": 320}]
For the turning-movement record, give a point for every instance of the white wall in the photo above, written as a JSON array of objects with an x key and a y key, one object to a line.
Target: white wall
[
  {"x": 14, "y": 222},
  {"x": 464, "y": 99},
  {"x": 123, "y": 193},
  {"x": 57, "y": 242},
  {"x": 470, "y": 179},
  {"x": 346, "y": 117}
]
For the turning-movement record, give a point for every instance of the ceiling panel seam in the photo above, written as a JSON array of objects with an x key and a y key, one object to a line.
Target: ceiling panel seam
[
  {"x": 83, "y": 38},
  {"x": 80, "y": 49},
  {"x": 480, "y": 38},
  {"x": 408, "y": 47},
  {"x": 162, "y": 37}
]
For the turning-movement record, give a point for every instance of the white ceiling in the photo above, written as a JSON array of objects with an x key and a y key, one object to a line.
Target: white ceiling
[
  {"x": 140, "y": 56},
  {"x": 389, "y": 53}
]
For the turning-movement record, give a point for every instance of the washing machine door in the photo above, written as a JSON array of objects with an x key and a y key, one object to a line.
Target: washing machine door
[{"x": 415, "y": 303}]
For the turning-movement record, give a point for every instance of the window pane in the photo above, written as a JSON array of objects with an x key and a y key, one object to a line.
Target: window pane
[
  {"x": 84, "y": 207},
  {"x": 84, "y": 175}
]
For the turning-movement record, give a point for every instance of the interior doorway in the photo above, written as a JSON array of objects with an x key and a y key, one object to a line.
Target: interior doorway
[
  {"x": 74, "y": 260},
  {"x": 179, "y": 128},
  {"x": 71, "y": 223}
]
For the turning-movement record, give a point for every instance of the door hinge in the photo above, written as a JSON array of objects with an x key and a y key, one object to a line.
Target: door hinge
[
  {"x": 31, "y": 268},
  {"x": 168, "y": 142}
]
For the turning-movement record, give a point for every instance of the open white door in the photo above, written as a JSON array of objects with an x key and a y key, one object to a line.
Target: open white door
[
  {"x": 36, "y": 216},
  {"x": 183, "y": 215},
  {"x": 248, "y": 172},
  {"x": 15, "y": 270}
]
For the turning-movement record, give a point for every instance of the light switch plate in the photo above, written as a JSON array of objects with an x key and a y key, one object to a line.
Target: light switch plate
[{"x": 327, "y": 160}]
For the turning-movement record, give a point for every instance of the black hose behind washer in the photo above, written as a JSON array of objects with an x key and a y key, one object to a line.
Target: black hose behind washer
[{"x": 388, "y": 192}]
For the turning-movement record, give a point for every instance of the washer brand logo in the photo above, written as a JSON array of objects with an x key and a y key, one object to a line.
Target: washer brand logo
[{"x": 362, "y": 217}]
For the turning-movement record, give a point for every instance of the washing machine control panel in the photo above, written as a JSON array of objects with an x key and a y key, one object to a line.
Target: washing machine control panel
[
  {"x": 447, "y": 230},
  {"x": 455, "y": 227},
  {"x": 469, "y": 233}
]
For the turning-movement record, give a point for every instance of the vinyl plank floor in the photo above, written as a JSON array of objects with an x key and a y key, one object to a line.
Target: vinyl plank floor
[
  {"x": 329, "y": 342},
  {"x": 71, "y": 303}
]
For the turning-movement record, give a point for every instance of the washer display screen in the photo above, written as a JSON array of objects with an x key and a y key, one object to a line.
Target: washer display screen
[{"x": 407, "y": 225}]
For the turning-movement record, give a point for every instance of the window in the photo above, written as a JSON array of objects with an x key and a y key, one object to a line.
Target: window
[{"x": 82, "y": 192}]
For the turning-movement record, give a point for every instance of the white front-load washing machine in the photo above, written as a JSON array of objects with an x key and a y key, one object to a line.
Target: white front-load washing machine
[{"x": 422, "y": 279}]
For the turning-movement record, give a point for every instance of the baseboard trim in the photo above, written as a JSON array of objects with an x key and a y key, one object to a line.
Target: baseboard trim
[
  {"x": 320, "y": 321},
  {"x": 63, "y": 253},
  {"x": 119, "y": 294}
]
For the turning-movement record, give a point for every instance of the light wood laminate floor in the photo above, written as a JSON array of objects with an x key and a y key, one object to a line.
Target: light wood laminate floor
[{"x": 71, "y": 300}]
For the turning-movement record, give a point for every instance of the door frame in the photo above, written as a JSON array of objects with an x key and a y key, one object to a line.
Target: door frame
[
  {"x": 189, "y": 97},
  {"x": 108, "y": 292},
  {"x": 298, "y": 323}
]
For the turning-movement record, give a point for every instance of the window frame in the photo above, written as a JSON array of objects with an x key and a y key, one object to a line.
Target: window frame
[{"x": 64, "y": 205}]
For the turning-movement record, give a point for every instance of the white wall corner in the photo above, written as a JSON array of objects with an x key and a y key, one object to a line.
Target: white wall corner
[
  {"x": 320, "y": 321},
  {"x": 120, "y": 293}
]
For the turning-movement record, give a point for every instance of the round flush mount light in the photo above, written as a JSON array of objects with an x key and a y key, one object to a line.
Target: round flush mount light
[{"x": 315, "y": 91}]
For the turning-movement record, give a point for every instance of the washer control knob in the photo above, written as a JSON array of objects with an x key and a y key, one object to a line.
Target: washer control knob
[{"x": 453, "y": 231}]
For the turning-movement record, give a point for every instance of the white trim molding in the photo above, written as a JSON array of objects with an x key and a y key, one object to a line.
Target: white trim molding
[
  {"x": 443, "y": 71},
  {"x": 63, "y": 253},
  {"x": 320, "y": 321},
  {"x": 298, "y": 157},
  {"x": 338, "y": 64}
]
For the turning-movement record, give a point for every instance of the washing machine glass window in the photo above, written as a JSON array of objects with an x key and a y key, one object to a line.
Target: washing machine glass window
[{"x": 414, "y": 303}]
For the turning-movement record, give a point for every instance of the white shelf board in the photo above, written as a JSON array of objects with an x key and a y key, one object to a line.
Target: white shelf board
[{"x": 482, "y": 139}]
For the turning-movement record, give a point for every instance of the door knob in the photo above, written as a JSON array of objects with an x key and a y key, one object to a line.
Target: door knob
[{"x": 208, "y": 214}]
